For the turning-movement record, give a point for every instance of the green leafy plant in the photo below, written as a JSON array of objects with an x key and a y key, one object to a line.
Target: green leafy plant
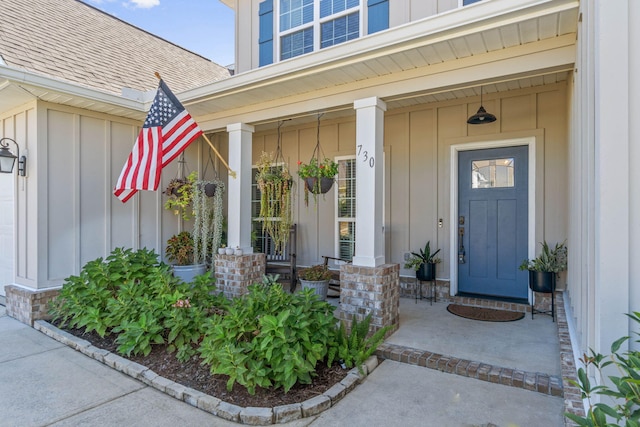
[
  {"x": 624, "y": 391},
  {"x": 275, "y": 184},
  {"x": 425, "y": 256},
  {"x": 316, "y": 170},
  {"x": 134, "y": 296},
  {"x": 179, "y": 194},
  {"x": 269, "y": 338},
  {"x": 550, "y": 260},
  {"x": 181, "y": 249},
  {"x": 354, "y": 349},
  {"x": 84, "y": 299},
  {"x": 316, "y": 273}
]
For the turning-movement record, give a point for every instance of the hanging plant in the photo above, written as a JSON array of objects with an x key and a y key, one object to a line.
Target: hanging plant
[
  {"x": 318, "y": 176},
  {"x": 208, "y": 219},
  {"x": 275, "y": 184},
  {"x": 179, "y": 195}
]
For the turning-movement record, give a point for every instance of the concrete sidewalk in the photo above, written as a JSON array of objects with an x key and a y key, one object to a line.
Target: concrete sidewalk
[{"x": 44, "y": 383}]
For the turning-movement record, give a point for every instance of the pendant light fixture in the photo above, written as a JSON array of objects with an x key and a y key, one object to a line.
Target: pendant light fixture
[{"x": 481, "y": 117}]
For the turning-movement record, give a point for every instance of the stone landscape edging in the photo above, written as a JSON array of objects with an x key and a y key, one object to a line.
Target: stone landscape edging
[{"x": 228, "y": 411}]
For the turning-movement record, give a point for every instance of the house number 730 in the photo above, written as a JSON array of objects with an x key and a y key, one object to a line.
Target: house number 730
[{"x": 365, "y": 156}]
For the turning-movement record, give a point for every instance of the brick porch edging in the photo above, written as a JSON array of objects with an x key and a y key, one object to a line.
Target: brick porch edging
[
  {"x": 534, "y": 381},
  {"x": 572, "y": 397},
  {"x": 211, "y": 404}
]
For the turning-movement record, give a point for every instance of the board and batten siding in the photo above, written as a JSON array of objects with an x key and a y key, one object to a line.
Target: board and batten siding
[
  {"x": 16, "y": 264},
  {"x": 74, "y": 217},
  {"x": 417, "y": 175}
]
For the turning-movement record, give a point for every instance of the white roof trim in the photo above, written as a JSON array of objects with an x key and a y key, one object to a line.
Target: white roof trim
[
  {"x": 62, "y": 87},
  {"x": 458, "y": 22}
]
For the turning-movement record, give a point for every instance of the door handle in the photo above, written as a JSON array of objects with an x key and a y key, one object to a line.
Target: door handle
[{"x": 461, "y": 251}]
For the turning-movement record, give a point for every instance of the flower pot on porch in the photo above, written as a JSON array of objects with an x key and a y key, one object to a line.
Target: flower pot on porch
[
  {"x": 426, "y": 272},
  {"x": 323, "y": 187},
  {"x": 188, "y": 272},
  {"x": 320, "y": 287},
  {"x": 542, "y": 281}
]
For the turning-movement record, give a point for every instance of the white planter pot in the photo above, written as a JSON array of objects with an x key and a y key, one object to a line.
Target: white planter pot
[
  {"x": 188, "y": 272},
  {"x": 320, "y": 287},
  {"x": 230, "y": 251},
  {"x": 222, "y": 251}
]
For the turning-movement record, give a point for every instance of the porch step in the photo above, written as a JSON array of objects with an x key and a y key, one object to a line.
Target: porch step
[
  {"x": 488, "y": 303},
  {"x": 533, "y": 381}
]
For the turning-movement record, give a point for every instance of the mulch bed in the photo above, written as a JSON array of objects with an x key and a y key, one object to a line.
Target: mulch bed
[{"x": 197, "y": 376}]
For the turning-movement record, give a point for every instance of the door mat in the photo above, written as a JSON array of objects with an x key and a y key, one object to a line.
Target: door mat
[{"x": 484, "y": 314}]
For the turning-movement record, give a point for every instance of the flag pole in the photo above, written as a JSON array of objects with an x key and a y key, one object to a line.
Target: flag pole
[{"x": 231, "y": 173}]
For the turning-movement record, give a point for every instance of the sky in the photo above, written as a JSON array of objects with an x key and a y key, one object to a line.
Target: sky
[{"x": 205, "y": 27}]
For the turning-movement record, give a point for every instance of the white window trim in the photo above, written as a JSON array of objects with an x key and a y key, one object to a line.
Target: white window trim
[
  {"x": 316, "y": 24},
  {"x": 337, "y": 219}
]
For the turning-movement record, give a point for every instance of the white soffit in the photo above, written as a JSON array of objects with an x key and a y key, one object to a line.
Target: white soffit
[{"x": 464, "y": 33}]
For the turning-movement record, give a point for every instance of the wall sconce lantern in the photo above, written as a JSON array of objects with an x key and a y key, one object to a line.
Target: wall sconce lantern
[
  {"x": 481, "y": 117},
  {"x": 8, "y": 159}
]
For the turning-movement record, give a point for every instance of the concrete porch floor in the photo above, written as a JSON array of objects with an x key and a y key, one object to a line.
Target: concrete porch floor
[{"x": 527, "y": 344}]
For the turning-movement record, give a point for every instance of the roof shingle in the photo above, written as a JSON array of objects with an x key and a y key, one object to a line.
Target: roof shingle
[{"x": 70, "y": 40}]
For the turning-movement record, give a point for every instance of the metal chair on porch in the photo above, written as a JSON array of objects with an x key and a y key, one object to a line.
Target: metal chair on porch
[
  {"x": 283, "y": 263},
  {"x": 334, "y": 283}
]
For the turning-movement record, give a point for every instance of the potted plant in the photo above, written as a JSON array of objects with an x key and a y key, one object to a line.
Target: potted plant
[
  {"x": 424, "y": 263},
  {"x": 275, "y": 184},
  {"x": 317, "y": 278},
  {"x": 181, "y": 254},
  {"x": 208, "y": 219},
  {"x": 179, "y": 193},
  {"x": 318, "y": 176},
  {"x": 544, "y": 268}
]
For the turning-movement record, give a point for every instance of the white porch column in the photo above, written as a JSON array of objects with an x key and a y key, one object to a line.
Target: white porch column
[
  {"x": 239, "y": 189},
  {"x": 369, "y": 183}
]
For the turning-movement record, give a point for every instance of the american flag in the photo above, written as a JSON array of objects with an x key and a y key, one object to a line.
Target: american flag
[{"x": 166, "y": 132}]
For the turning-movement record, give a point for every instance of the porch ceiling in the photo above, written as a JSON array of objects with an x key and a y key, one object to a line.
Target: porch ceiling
[{"x": 463, "y": 39}]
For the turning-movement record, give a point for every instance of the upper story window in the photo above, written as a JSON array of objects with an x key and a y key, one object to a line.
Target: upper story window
[
  {"x": 289, "y": 28},
  {"x": 308, "y": 25}
]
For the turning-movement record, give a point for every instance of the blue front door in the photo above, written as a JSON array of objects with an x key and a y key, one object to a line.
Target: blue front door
[{"x": 492, "y": 221}]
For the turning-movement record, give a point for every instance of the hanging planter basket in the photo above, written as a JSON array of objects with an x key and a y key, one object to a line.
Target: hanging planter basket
[
  {"x": 321, "y": 187},
  {"x": 210, "y": 189}
]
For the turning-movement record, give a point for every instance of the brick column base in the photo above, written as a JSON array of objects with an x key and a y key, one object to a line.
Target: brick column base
[
  {"x": 28, "y": 305},
  {"x": 234, "y": 273},
  {"x": 375, "y": 290}
]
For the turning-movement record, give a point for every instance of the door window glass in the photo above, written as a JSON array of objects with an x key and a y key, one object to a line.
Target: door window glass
[{"x": 493, "y": 173}]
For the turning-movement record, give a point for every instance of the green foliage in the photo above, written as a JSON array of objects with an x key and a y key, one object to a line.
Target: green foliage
[
  {"x": 180, "y": 195},
  {"x": 83, "y": 299},
  {"x": 316, "y": 169},
  {"x": 550, "y": 260},
  {"x": 133, "y": 295},
  {"x": 181, "y": 249},
  {"x": 423, "y": 257},
  {"x": 316, "y": 273},
  {"x": 625, "y": 388},
  {"x": 275, "y": 184},
  {"x": 269, "y": 337},
  {"x": 355, "y": 348}
]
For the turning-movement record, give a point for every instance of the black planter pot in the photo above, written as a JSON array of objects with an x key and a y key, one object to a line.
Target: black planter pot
[
  {"x": 324, "y": 187},
  {"x": 542, "y": 281},
  {"x": 210, "y": 189},
  {"x": 426, "y": 272}
]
